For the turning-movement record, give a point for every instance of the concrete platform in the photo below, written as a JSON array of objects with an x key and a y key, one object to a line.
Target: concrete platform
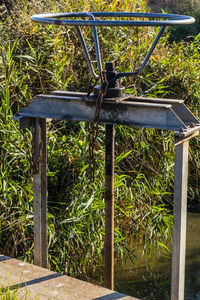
[{"x": 33, "y": 281}]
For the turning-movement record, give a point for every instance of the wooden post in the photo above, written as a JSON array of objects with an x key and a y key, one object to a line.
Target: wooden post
[
  {"x": 40, "y": 192},
  {"x": 180, "y": 218},
  {"x": 109, "y": 208}
]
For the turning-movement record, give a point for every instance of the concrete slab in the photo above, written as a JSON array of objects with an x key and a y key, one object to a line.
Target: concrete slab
[{"x": 32, "y": 281}]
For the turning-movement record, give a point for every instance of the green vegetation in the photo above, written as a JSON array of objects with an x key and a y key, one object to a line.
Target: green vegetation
[
  {"x": 38, "y": 59},
  {"x": 9, "y": 293}
]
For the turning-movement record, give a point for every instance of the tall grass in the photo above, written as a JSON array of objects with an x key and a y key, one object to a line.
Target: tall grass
[{"x": 38, "y": 59}]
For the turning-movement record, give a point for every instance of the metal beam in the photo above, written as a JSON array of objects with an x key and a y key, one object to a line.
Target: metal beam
[
  {"x": 129, "y": 113},
  {"x": 40, "y": 192}
]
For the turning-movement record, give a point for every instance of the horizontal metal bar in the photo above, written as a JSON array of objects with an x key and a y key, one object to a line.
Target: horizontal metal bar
[
  {"x": 127, "y": 97},
  {"x": 176, "y": 105},
  {"x": 135, "y": 114},
  {"x": 153, "y": 100},
  {"x": 69, "y": 93},
  {"x": 93, "y": 99}
]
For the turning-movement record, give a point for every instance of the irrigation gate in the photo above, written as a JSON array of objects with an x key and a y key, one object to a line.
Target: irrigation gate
[{"x": 108, "y": 103}]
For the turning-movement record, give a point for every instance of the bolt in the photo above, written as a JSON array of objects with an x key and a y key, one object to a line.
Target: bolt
[
  {"x": 111, "y": 75},
  {"x": 182, "y": 130}
]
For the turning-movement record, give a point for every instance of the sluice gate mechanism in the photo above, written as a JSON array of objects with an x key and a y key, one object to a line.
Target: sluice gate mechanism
[{"x": 108, "y": 103}]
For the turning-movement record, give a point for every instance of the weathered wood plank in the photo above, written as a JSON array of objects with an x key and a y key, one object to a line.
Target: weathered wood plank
[
  {"x": 180, "y": 217},
  {"x": 109, "y": 209},
  {"x": 40, "y": 192}
]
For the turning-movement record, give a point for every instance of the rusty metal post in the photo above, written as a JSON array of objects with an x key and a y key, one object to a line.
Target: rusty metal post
[
  {"x": 180, "y": 218},
  {"x": 109, "y": 208},
  {"x": 40, "y": 192}
]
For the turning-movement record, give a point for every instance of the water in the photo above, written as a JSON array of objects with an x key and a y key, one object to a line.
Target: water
[{"x": 149, "y": 279}]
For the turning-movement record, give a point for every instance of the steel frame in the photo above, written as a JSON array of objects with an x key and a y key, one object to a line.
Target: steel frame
[
  {"x": 128, "y": 110},
  {"x": 132, "y": 111}
]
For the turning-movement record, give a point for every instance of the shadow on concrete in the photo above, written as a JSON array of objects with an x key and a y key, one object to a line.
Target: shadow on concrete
[
  {"x": 30, "y": 282},
  {"x": 112, "y": 296},
  {"x": 4, "y": 258}
]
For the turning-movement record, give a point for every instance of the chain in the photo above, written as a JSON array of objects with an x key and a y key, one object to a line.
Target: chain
[
  {"x": 91, "y": 86},
  {"x": 93, "y": 128}
]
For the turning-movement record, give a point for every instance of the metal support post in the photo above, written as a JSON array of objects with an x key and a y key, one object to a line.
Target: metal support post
[
  {"x": 109, "y": 208},
  {"x": 180, "y": 218},
  {"x": 40, "y": 192}
]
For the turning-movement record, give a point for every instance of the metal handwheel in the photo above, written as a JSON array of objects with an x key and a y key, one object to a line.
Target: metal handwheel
[{"x": 73, "y": 19}]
